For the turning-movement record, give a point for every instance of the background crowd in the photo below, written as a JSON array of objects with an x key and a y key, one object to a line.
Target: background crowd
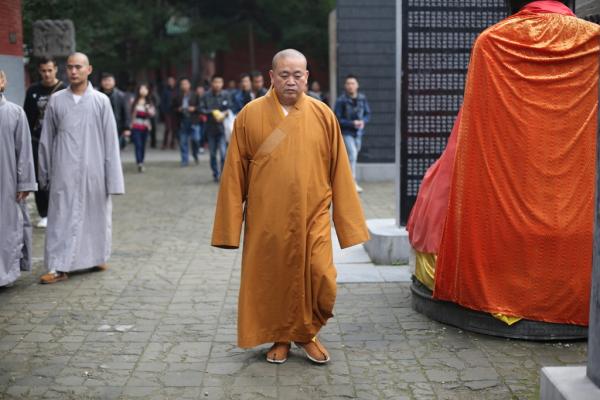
[{"x": 196, "y": 117}]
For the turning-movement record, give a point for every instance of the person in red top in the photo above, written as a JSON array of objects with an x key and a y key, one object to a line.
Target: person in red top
[{"x": 503, "y": 221}]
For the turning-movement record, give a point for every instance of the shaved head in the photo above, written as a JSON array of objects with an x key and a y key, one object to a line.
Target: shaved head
[
  {"x": 78, "y": 71},
  {"x": 288, "y": 53},
  {"x": 289, "y": 76},
  {"x": 80, "y": 58}
]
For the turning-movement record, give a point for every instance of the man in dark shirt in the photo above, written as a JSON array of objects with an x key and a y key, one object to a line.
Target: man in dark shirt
[
  {"x": 216, "y": 104},
  {"x": 120, "y": 106},
  {"x": 186, "y": 105},
  {"x": 244, "y": 95},
  {"x": 36, "y": 100},
  {"x": 258, "y": 85},
  {"x": 168, "y": 97},
  {"x": 353, "y": 113}
]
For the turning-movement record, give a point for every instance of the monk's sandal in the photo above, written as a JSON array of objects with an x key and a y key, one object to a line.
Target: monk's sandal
[
  {"x": 314, "y": 343},
  {"x": 273, "y": 355},
  {"x": 53, "y": 277}
]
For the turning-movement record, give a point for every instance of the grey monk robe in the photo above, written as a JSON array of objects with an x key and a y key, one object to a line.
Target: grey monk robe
[
  {"x": 80, "y": 164},
  {"x": 17, "y": 174}
]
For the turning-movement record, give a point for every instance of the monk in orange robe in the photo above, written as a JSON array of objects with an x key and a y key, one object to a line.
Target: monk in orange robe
[
  {"x": 503, "y": 221},
  {"x": 285, "y": 168}
]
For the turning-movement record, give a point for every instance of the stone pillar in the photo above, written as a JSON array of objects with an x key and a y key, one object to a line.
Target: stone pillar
[
  {"x": 593, "y": 368},
  {"x": 54, "y": 39}
]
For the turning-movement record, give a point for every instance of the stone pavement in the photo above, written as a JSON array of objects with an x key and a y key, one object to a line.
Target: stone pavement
[{"x": 161, "y": 323}]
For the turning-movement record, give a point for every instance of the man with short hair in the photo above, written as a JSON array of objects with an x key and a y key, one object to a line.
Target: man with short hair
[
  {"x": 186, "y": 105},
  {"x": 285, "y": 169},
  {"x": 36, "y": 100},
  {"x": 353, "y": 113},
  {"x": 120, "y": 106},
  {"x": 244, "y": 95},
  {"x": 17, "y": 179},
  {"x": 216, "y": 104},
  {"x": 81, "y": 166},
  {"x": 258, "y": 84}
]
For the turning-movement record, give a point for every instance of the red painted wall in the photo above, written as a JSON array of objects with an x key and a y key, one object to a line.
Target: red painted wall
[{"x": 10, "y": 23}]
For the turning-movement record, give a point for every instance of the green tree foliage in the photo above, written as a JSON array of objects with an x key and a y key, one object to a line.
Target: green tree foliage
[{"x": 131, "y": 35}]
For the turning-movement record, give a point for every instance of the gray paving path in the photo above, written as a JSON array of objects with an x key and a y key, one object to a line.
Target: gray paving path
[{"x": 161, "y": 323}]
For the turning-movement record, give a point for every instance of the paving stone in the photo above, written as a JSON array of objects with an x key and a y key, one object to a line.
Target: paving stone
[{"x": 161, "y": 322}]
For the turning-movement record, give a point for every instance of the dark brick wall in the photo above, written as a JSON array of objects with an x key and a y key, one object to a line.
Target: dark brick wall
[{"x": 366, "y": 34}]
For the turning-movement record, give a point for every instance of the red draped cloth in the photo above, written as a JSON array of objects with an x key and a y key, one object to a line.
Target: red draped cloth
[{"x": 508, "y": 207}]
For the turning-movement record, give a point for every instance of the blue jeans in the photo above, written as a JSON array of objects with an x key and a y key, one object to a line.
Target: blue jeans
[
  {"x": 216, "y": 143},
  {"x": 186, "y": 132},
  {"x": 196, "y": 139},
  {"x": 139, "y": 136},
  {"x": 353, "y": 145}
]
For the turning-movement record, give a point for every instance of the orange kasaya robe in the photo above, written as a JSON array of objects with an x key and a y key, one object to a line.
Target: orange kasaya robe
[
  {"x": 288, "y": 171},
  {"x": 513, "y": 227}
]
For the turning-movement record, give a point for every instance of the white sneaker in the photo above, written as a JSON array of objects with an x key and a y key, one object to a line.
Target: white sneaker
[
  {"x": 358, "y": 188},
  {"x": 43, "y": 223}
]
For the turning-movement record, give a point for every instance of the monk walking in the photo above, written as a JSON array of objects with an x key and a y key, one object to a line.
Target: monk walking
[
  {"x": 17, "y": 179},
  {"x": 286, "y": 166},
  {"x": 79, "y": 162}
]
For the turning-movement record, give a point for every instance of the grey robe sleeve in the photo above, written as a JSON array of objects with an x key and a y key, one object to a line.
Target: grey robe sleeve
[
  {"x": 113, "y": 170},
  {"x": 45, "y": 146},
  {"x": 24, "y": 155}
]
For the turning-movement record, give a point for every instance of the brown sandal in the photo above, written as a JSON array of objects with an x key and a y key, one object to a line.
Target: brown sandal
[
  {"x": 314, "y": 351},
  {"x": 278, "y": 353},
  {"x": 53, "y": 277}
]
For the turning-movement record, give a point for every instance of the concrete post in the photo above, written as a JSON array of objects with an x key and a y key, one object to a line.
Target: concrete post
[{"x": 593, "y": 368}]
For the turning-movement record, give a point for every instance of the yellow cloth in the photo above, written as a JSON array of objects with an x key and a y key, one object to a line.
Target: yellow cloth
[
  {"x": 287, "y": 172},
  {"x": 425, "y": 273}
]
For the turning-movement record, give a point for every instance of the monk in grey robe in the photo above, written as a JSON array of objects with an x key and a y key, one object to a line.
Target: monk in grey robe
[
  {"x": 79, "y": 163},
  {"x": 17, "y": 179}
]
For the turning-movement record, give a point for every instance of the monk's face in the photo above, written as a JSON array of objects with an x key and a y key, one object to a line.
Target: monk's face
[
  {"x": 2, "y": 81},
  {"x": 289, "y": 79},
  {"x": 78, "y": 69}
]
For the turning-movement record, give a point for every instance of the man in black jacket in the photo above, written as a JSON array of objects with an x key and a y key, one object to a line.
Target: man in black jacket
[
  {"x": 120, "y": 106},
  {"x": 216, "y": 104},
  {"x": 36, "y": 100},
  {"x": 186, "y": 106}
]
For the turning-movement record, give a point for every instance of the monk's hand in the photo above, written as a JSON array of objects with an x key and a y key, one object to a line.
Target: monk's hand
[{"x": 22, "y": 196}]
